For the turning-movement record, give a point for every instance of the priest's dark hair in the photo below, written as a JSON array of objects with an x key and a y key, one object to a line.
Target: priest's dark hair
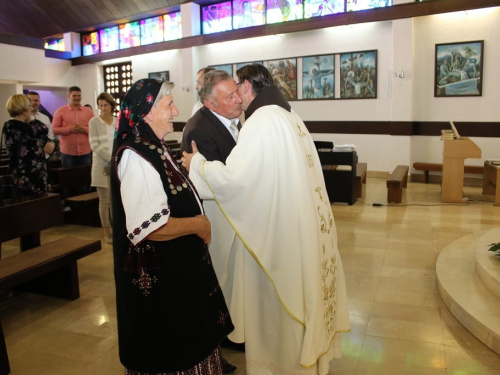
[{"x": 258, "y": 76}]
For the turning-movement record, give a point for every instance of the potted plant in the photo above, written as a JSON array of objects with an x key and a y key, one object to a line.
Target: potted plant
[{"x": 495, "y": 247}]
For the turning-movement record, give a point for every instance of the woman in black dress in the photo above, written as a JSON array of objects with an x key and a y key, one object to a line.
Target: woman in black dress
[
  {"x": 171, "y": 312},
  {"x": 25, "y": 142}
]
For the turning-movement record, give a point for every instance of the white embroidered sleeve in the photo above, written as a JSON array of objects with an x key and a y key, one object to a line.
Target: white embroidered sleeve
[{"x": 144, "y": 199}]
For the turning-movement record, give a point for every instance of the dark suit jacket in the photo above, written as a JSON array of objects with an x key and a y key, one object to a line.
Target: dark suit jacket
[{"x": 213, "y": 139}]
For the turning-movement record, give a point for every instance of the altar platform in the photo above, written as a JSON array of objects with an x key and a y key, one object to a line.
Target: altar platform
[{"x": 468, "y": 277}]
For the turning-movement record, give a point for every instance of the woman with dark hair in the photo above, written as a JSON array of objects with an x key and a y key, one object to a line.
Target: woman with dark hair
[
  {"x": 101, "y": 134},
  {"x": 25, "y": 142},
  {"x": 171, "y": 312}
]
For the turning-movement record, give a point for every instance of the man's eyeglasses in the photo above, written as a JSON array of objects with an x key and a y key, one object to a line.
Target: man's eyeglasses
[{"x": 239, "y": 83}]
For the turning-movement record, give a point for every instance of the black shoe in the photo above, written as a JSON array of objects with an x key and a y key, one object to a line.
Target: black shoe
[
  {"x": 226, "y": 343},
  {"x": 227, "y": 368}
]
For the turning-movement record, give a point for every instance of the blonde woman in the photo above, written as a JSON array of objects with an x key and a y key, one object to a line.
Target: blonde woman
[
  {"x": 26, "y": 143},
  {"x": 101, "y": 134}
]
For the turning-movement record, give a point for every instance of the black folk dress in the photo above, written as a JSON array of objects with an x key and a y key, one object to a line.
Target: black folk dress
[{"x": 170, "y": 308}]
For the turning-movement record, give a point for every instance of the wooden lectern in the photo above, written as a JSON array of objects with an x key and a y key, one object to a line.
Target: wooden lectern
[
  {"x": 491, "y": 180},
  {"x": 454, "y": 153}
]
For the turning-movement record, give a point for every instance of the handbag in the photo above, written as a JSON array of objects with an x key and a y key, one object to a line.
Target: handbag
[{"x": 107, "y": 169}]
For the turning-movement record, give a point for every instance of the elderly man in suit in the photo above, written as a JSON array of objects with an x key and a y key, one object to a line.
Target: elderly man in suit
[{"x": 215, "y": 128}]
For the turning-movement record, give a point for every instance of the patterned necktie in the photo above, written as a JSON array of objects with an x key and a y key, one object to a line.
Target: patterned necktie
[{"x": 234, "y": 129}]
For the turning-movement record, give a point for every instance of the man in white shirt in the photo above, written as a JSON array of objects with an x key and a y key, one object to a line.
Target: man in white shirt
[
  {"x": 199, "y": 77},
  {"x": 36, "y": 114}
]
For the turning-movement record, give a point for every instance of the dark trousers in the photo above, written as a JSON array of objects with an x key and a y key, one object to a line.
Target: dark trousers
[{"x": 74, "y": 161}]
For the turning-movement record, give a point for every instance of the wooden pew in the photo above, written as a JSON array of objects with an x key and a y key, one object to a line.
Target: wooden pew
[
  {"x": 85, "y": 209},
  {"x": 396, "y": 182},
  {"x": 25, "y": 217},
  {"x": 491, "y": 180},
  {"x": 50, "y": 269},
  {"x": 71, "y": 178},
  {"x": 360, "y": 178},
  {"x": 175, "y": 148},
  {"x": 436, "y": 167}
]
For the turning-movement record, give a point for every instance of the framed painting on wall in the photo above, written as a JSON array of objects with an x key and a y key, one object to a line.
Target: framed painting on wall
[
  {"x": 228, "y": 68},
  {"x": 458, "y": 69},
  {"x": 318, "y": 77},
  {"x": 161, "y": 76},
  {"x": 284, "y": 73},
  {"x": 358, "y": 75}
]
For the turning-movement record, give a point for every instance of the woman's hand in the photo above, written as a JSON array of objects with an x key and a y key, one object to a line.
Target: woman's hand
[
  {"x": 205, "y": 231},
  {"x": 49, "y": 147},
  {"x": 178, "y": 227}
]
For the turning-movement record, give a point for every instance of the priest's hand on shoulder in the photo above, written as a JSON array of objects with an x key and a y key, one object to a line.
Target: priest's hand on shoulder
[{"x": 186, "y": 157}]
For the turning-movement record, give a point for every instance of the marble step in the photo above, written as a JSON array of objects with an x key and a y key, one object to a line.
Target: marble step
[
  {"x": 487, "y": 263},
  {"x": 467, "y": 297}
]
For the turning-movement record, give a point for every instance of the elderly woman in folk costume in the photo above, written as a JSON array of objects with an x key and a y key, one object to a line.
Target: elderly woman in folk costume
[{"x": 171, "y": 312}]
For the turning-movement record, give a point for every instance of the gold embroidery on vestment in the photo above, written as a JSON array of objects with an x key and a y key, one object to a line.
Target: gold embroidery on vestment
[
  {"x": 310, "y": 160},
  {"x": 331, "y": 221},
  {"x": 301, "y": 133},
  {"x": 329, "y": 280},
  {"x": 318, "y": 190},
  {"x": 323, "y": 222}
]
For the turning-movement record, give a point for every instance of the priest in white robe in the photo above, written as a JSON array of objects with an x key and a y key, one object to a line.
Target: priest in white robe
[{"x": 283, "y": 278}]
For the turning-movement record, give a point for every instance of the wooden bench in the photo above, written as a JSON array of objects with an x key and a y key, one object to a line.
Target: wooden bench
[
  {"x": 84, "y": 209},
  {"x": 50, "y": 269},
  {"x": 396, "y": 182},
  {"x": 70, "y": 178},
  {"x": 175, "y": 148},
  {"x": 436, "y": 167},
  {"x": 360, "y": 178}
]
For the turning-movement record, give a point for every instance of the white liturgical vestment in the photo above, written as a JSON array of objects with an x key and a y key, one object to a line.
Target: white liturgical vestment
[{"x": 282, "y": 278}]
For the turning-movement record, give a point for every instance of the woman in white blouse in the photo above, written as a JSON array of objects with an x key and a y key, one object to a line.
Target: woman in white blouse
[{"x": 101, "y": 134}]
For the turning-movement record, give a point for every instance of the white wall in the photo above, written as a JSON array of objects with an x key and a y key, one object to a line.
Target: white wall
[
  {"x": 6, "y": 91},
  {"x": 21, "y": 64}
]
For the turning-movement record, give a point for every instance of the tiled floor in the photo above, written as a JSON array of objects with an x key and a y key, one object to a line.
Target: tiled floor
[{"x": 399, "y": 323}]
